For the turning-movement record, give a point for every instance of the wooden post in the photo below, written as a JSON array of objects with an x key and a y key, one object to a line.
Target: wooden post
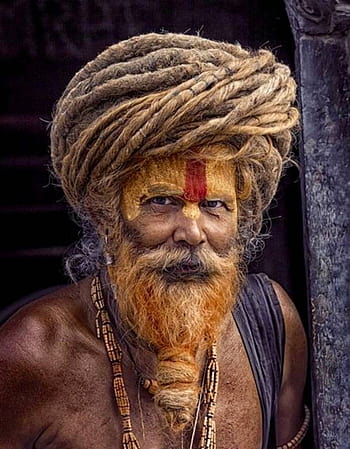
[{"x": 322, "y": 36}]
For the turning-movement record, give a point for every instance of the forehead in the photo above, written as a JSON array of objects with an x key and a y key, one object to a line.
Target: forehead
[{"x": 194, "y": 180}]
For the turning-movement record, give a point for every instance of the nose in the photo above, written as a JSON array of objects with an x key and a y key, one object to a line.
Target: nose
[{"x": 189, "y": 230}]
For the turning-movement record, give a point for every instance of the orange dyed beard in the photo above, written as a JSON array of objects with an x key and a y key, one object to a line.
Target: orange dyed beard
[
  {"x": 169, "y": 314},
  {"x": 175, "y": 317}
]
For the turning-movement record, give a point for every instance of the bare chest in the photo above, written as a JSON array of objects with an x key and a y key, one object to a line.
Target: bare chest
[{"x": 85, "y": 415}]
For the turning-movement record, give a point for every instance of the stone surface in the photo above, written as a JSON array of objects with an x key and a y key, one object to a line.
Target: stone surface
[
  {"x": 324, "y": 68},
  {"x": 317, "y": 18}
]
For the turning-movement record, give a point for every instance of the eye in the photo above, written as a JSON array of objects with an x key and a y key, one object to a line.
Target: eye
[
  {"x": 161, "y": 200},
  {"x": 213, "y": 204}
]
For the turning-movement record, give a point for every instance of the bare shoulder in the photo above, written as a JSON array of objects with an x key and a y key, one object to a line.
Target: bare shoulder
[
  {"x": 291, "y": 410},
  {"x": 34, "y": 347},
  {"x": 46, "y": 328},
  {"x": 38, "y": 326}
]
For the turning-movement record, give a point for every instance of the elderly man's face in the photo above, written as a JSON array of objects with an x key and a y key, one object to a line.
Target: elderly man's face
[
  {"x": 173, "y": 202},
  {"x": 176, "y": 269}
]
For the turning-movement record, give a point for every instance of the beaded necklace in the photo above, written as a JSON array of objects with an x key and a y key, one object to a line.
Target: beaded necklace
[{"x": 104, "y": 330}]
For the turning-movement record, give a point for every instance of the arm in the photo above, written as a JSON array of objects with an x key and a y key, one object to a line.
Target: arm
[
  {"x": 290, "y": 407},
  {"x": 23, "y": 384}
]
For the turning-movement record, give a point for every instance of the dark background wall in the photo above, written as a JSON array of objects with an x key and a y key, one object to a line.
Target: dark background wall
[{"x": 42, "y": 44}]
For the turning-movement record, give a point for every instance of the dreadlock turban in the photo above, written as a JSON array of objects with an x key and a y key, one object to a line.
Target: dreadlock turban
[{"x": 157, "y": 95}]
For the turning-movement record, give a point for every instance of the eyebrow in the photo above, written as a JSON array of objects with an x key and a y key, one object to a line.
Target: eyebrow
[
  {"x": 164, "y": 189},
  {"x": 222, "y": 196}
]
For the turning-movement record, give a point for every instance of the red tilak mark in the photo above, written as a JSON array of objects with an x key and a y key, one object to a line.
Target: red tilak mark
[{"x": 195, "y": 181}]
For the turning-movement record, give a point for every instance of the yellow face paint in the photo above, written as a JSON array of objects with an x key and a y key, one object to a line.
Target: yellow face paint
[
  {"x": 191, "y": 210},
  {"x": 191, "y": 180}
]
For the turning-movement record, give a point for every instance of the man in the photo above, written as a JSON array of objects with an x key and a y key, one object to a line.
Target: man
[{"x": 169, "y": 147}]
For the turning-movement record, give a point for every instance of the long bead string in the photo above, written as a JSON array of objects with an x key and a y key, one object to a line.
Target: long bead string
[
  {"x": 208, "y": 438},
  {"x": 114, "y": 352}
]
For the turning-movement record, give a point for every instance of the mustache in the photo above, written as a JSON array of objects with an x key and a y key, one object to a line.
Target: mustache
[{"x": 180, "y": 263}]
